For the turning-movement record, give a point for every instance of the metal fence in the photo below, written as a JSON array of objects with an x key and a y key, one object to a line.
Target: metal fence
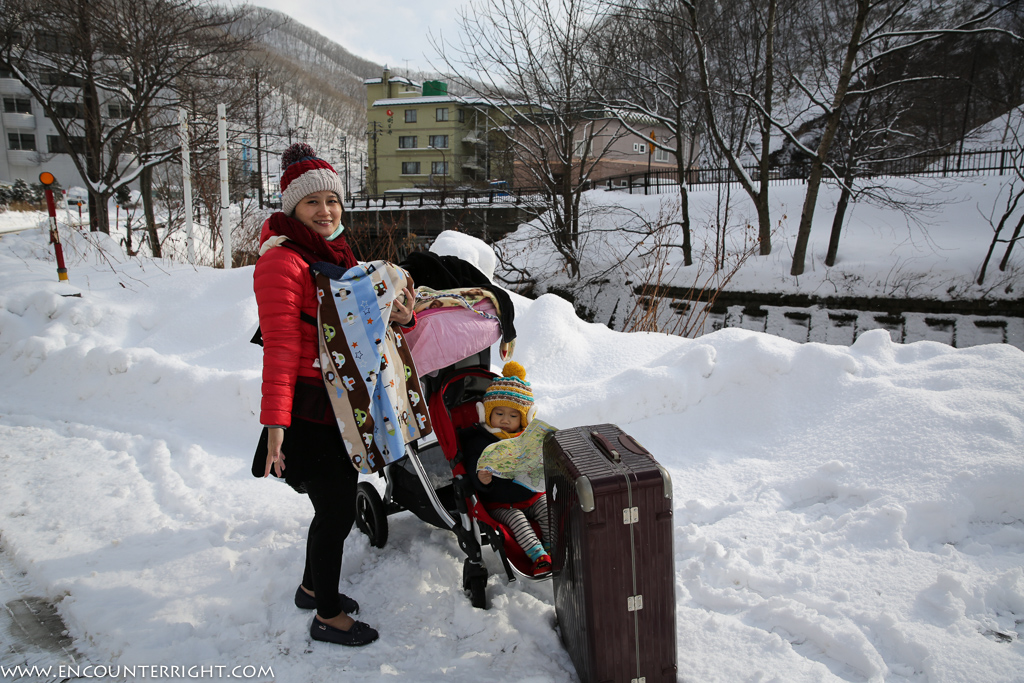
[
  {"x": 453, "y": 198},
  {"x": 974, "y": 162}
]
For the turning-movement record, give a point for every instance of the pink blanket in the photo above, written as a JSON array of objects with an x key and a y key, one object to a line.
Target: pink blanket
[{"x": 443, "y": 336}]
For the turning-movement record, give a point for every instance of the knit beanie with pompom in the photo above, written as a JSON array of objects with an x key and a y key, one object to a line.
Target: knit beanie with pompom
[
  {"x": 303, "y": 172},
  {"x": 510, "y": 390}
]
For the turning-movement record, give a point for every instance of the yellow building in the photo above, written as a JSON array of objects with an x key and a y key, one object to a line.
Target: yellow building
[{"x": 422, "y": 137}]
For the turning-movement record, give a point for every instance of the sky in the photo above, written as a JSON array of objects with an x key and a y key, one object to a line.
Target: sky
[
  {"x": 841, "y": 511},
  {"x": 391, "y": 32}
]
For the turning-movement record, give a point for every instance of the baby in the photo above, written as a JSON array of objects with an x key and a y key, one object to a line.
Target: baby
[{"x": 505, "y": 410}]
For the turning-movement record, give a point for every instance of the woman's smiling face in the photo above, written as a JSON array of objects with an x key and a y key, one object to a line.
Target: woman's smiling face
[{"x": 320, "y": 212}]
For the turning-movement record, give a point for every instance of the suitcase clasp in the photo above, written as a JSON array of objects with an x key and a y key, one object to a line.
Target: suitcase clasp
[{"x": 634, "y": 603}]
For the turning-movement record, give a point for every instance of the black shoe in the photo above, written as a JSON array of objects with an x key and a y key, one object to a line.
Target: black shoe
[
  {"x": 304, "y": 600},
  {"x": 360, "y": 634}
]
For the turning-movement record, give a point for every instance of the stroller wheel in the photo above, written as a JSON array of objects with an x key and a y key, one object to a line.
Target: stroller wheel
[{"x": 371, "y": 517}]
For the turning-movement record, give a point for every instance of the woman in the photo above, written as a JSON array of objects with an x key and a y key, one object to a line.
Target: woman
[{"x": 302, "y": 440}]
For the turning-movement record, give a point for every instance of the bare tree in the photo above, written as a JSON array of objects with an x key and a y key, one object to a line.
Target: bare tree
[
  {"x": 530, "y": 62},
  {"x": 646, "y": 45},
  {"x": 735, "y": 53},
  {"x": 1011, "y": 209},
  {"x": 106, "y": 71},
  {"x": 842, "y": 43}
]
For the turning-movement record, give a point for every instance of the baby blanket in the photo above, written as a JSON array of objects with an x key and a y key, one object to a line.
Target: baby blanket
[{"x": 366, "y": 364}]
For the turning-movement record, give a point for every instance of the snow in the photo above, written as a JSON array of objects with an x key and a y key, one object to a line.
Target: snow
[
  {"x": 931, "y": 248},
  {"x": 842, "y": 513},
  {"x": 928, "y": 248}
]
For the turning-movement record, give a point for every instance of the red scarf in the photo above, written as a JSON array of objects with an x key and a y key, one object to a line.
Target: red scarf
[{"x": 336, "y": 251}]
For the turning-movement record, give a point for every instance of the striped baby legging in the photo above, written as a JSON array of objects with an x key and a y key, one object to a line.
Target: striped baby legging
[{"x": 518, "y": 522}]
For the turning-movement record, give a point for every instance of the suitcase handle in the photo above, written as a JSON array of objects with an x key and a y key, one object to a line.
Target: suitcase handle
[{"x": 605, "y": 446}]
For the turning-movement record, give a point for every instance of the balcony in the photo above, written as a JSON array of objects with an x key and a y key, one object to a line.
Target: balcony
[
  {"x": 19, "y": 121},
  {"x": 18, "y": 157}
]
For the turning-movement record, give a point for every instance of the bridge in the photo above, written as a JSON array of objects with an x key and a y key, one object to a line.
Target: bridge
[{"x": 487, "y": 214}]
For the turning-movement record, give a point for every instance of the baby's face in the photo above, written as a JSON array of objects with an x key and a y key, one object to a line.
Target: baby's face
[{"x": 506, "y": 419}]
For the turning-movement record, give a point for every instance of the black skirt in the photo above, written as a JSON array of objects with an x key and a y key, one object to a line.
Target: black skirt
[{"x": 312, "y": 451}]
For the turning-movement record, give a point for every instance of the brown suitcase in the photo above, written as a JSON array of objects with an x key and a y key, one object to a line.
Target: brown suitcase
[{"x": 610, "y": 506}]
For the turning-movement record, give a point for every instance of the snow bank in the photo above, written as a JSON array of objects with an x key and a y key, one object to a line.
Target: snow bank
[{"x": 841, "y": 513}]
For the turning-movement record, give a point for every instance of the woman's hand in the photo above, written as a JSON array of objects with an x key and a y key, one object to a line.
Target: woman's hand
[
  {"x": 484, "y": 476},
  {"x": 275, "y": 457},
  {"x": 403, "y": 313}
]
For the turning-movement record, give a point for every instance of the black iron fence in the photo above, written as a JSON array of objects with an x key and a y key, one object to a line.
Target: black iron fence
[
  {"x": 974, "y": 162},
  {"x": 448, "y": 198}
]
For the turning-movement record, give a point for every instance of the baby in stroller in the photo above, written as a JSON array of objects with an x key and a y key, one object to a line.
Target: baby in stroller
[{"x": 505, "y": 410}]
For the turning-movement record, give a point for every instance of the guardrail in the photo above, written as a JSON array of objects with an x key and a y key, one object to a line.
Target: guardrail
[{"x": 452, "y": 198}]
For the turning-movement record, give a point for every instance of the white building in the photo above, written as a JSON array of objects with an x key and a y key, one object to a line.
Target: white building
[{"x": 30, "y": 141}]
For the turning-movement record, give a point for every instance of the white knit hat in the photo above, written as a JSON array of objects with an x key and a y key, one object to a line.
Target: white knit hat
[{"x": 304, "y": 173}]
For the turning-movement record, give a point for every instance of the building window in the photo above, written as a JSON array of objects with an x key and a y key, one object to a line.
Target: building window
[
  {"x": 582, "y": 148},
  {"x": 56, "y": 145},
  {"x": 60, "y": 78},
  {"x": 22, "y": 141},
  {"x": 661, "y": 155},
  {"x": 406, "y": 142},
  {"x": 53, "y": 43},
  {"x": 442, "y": 113},
  {"x": 68, "y": 110},
  {"x": 410, "y": 168},
  {"x": 439, "y": 167},
  {"x": 462, "y": 116},
  {"x": 640, "y": 147},
  {"x": 17, "y": 105},
  {"x": 410, "y": 116},
  {"x": 118, "y": 110},
  {"x": 439, "y": 141}
]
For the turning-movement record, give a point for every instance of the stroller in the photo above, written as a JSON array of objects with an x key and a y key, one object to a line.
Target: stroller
[{"x": 431, "y": 482}]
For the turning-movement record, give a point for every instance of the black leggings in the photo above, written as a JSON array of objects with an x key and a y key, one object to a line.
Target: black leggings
[{"x": 334, "y": 510}]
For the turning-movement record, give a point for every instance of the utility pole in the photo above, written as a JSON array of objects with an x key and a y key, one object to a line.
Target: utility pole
[
  {"x": 259, "y": 138},
  {"x": 186, "y": 181},
  {"x": 344, "y": 156},
  {"x": 650, "y": 153},
  {"x": 375, "y": 129},
  {"x": 225, "y": 197}
]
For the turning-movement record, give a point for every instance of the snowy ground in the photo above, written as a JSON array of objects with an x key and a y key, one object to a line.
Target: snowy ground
[{"x": 842, "y": 513}]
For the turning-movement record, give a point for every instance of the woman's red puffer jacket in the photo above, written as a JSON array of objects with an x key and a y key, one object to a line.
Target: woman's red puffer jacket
[{"x": 284, "y": 288}]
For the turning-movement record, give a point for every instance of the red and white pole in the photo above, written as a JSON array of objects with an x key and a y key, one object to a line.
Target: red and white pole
[{"x": 47, "y": 179}]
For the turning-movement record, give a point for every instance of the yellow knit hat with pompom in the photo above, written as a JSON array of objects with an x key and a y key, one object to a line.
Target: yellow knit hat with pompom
[{"x": 510, "y": 390}]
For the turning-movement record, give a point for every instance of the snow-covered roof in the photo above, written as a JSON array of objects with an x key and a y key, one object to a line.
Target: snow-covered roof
[
  {"x": 435, "y": 99},
  {"x": 393, "y": 79}
]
